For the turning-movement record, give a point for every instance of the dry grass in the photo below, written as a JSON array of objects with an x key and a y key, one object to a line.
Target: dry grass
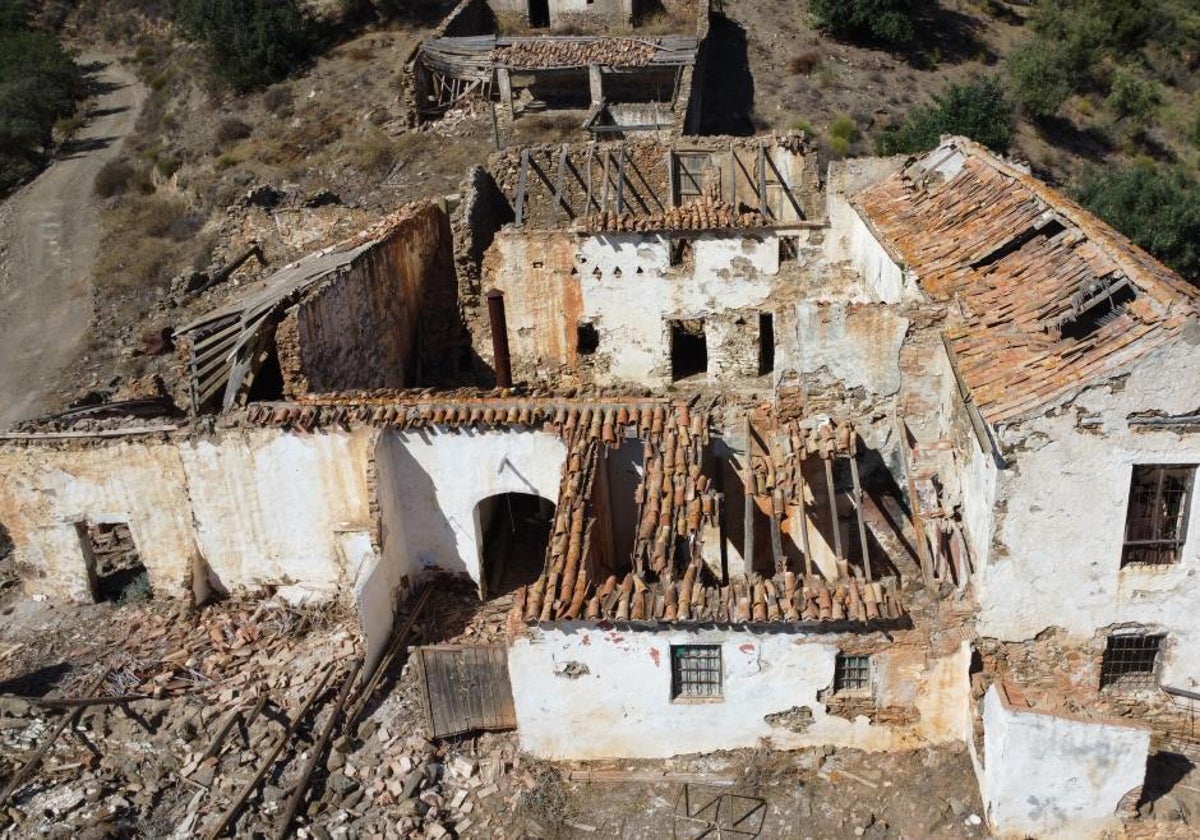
[{"x": 805, "y": 62}]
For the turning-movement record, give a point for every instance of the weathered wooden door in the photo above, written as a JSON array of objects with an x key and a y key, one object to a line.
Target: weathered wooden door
[{"x": 466, "y": 688}]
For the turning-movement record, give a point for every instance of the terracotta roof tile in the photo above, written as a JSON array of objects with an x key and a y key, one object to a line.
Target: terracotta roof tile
[{"x": 1018, "y": 258}]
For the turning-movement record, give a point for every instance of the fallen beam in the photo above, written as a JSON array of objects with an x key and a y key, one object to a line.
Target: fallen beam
[{"x": 22, "y": 776}]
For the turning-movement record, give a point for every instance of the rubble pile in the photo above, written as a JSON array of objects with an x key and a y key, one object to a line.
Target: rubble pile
[
  {"x": 541, "y": 53},
  {"x": 167, "y": 732}
]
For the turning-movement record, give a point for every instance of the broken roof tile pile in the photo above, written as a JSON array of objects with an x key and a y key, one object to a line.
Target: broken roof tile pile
[
  {"x": 1051, "y": 298},
  {"x": 703, "y": 214}
]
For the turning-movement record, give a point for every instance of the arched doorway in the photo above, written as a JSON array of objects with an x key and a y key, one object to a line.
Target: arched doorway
[{"x": 512, "y": 532}]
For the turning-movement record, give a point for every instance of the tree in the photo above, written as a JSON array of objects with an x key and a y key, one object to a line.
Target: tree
[
  {"x": 1041, "y": 77},
  {"x": 39, "y": 83},
  {"x": 890, "y": 21},
  {"x": 1157, "y": 207},
  {"x": 1132, "y": 97},
  {"x": 250, "y": 43},
  {"x": 978, "y": 110}
]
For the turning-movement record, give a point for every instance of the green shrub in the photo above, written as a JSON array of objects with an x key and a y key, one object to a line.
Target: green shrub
[
  {"x": 251, "y": 43},
  {"x": 1158, "y": 207},
  {"x": 978, "y": 110},
  {"x": 230, "y": 130},
  {"x": 1132, "y": 97},
  {"x": 1040, "y": 77},
  {"x": 890, "y": 21},
  {"x": 844, "y": 128}
]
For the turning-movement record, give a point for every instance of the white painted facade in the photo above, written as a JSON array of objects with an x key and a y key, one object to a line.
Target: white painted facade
[
  {"x": 631, "y": 293},
  {"x": 1065, "y": 493},
  {"x": 1055, "y": 777},
  {"x": 431, "y": 483},
  {"x": 255, "y": 507},
  {"x": 622, "y": 705}
]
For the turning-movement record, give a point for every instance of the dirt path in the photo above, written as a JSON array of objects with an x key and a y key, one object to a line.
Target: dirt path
[{"x": 48, "y": 240}]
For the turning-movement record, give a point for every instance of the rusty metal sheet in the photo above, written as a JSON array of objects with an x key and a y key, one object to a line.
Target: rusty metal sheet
[{"x": 466, "y": 688}]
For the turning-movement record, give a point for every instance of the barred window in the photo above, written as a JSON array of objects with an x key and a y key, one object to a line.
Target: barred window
[
  {"x": 1130, "y": 660},
  {"x": 851, "y": 673},
  {"x": 1156, "y": 522},
  {"x": 695, "y": 672}
]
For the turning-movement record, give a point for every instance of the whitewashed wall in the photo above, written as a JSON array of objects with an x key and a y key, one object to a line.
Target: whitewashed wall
[
  {"x": 430, "y": 483},
  {"x": 631, "y": 310},
  {"x": 1057, "y": 546},
  {"x": 257, "y": 507},
  {"x": 850, "y": 239},
  {"x": 1049, "y": 776},
  {"x": 622, "y": 706}
]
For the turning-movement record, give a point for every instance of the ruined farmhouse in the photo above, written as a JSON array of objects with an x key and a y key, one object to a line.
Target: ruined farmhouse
[{"x": 899, "y": 453}]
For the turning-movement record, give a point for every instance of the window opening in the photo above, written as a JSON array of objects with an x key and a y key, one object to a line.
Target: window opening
[
  {"x": 690, "y": 176},
  {"x": 689, "y": 349},
  {"x": 1130, "y": 660},
  {"x": 681, "y": 252},
  {"x": 586, "y": 339},
  {"x": 1157, "y": 518},
  {"x": 851, "y": 673},
  {"x": 695, "y": 672},
  {"x": 789, "y": 248},
  {"x": 539, "y": 13},
  {"x": 114, "y": 567},
  {"x": 766, "y": 343}
]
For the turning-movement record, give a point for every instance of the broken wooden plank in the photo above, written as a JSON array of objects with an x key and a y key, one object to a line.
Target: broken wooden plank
[
  {"x": 22, "y": 776},
  {"x": 316, "y": 754}
]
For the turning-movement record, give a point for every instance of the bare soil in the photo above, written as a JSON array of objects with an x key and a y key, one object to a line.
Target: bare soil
[{"x": 48, "y": 242}]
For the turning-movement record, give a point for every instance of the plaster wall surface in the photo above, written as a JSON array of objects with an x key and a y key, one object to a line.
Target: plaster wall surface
[
  {"x": 850, "y": 239},
  {"x": 626, "y": 288},
  {"x": 430, "y": 483},
  {"x": 857, "y": 345},
  {"x": 268, "y": 505},
  {"x": 1060, "y": 518},
  {"x": 1056, "y": 777},
  {"x": 257, "y": 507},
  {"x": 45, "y": 492},
  {"x": 621, "y": 706}
]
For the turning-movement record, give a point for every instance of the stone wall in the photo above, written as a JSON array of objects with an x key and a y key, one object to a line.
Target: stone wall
[{"x": 362, "y": 327}]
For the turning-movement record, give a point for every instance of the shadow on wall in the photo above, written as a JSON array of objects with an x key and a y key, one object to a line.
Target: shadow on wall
[
  {"x": 728, "y": 92},
  {"x": 411, "y": 521},
  {"x": 1164, "y": 773}
]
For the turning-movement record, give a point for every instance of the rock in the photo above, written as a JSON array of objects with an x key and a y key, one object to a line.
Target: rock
[
  {"x": 336, "y": 761},
  {"x": 340, "y": 783},
  {"x": 957, "y": 806}
]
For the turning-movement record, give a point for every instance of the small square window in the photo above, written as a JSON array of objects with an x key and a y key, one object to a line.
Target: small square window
[
  {"x": 1157, "y": 517},
  {"x": 851, "y": 673},
  {"x": 1130, "y": 661},
  {"x": 695, "y": 672}
]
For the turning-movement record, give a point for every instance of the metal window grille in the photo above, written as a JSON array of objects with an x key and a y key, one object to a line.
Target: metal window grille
[
  {"x": 852, "y": 673},
  {"x": 695, "y": 671},
  {"x": 1156, "y": 523},
  {"x": 1129, "y": 660}
]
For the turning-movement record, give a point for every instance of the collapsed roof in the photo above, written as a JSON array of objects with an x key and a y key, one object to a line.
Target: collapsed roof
[{"x": 1047, "y": 297}]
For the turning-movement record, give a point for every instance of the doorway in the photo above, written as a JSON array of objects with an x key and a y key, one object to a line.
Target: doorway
[
  {"x": 539, "y": 13},
  {"x": 514, "y": 532}
]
